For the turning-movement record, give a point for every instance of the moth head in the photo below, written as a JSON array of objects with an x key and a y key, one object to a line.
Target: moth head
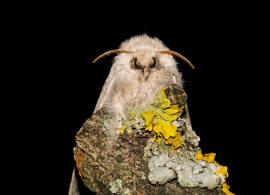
[
  {"x": 136, "y": 64},
  {"x": 142, "y": 60}
]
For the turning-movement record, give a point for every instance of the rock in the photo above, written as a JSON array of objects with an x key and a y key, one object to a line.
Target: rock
[{"x": 128, "y": 164}]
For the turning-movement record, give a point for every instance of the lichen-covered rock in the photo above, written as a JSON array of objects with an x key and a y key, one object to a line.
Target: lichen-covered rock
[
  {"x": 135, "y": 158},
  {"x": 190, "y": 173}
]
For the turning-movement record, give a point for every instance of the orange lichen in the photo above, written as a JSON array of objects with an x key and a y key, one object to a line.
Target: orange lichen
[{"x": 79, "y": 159}]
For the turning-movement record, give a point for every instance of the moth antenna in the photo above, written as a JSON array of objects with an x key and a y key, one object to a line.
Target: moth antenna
[
  {"x": 179, "y": 56},
  {"x": 111, "y": 52}
]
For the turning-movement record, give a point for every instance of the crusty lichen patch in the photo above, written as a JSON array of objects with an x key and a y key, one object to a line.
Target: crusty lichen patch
[
  {"x": 189, "y": 172},
  {"x": 133, "y": 120},
  {"x": 157, "y": 118},
  {"x": 223, "y": 170},
  {"x": 176, "y": 141},
  {"x": 160, "y": 117},
  {"x": 116, "y": 187},
  {"x": 168, "y": 125}
]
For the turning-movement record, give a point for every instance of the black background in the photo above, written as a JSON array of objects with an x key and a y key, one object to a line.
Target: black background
[{"x": 223, "y": 90}]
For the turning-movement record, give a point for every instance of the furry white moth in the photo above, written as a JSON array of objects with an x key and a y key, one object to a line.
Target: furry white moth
[{"x": 144, "y": 66}]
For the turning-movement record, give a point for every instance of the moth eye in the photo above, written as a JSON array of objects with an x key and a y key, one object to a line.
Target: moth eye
[
  {"x": 135, "y": 63},
  {"x": 153, "y": 65}
]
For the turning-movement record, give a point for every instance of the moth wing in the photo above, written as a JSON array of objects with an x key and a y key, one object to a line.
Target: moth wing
[
  {"x": 73, "y": 187},
  {"x": 106, "y": 89}
]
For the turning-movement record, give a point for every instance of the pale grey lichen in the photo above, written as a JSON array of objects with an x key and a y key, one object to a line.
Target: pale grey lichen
[
  {"x": 125, "y": 191},
  {"x": 148, "y": 148},
  {"x": 161, "y": 175},
  {"x": 158, "y": 172},
  {"x": 117, "y": 153},
  {"x": 116, "y": 187},
  {"x": 167, "y": 164},
  {"x": 143, "y": 176},
  {"x": 198, "y": 173},
  {"x": 189, "y": 134}
]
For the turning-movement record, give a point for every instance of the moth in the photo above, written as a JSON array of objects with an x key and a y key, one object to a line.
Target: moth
[{"x": 144, "y": 66}]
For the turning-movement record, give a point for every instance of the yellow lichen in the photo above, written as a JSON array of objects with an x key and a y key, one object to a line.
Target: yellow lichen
[
  {"x": 165, "y": 128},
  {"x": 226, "y": 188},
  {"x": 159, "y": 120},
  {"x": 148, "y": 117},
  {"x": 176, "y": 141},
  {"x": 122, "y": 130},
  {"x": 133, "y": 118},
  {"x": 129, "y": 131},
  {"x": 158, "y": 138},
  {"x": 223, "y": 170},
  {"x": 207, "y": 157}
]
